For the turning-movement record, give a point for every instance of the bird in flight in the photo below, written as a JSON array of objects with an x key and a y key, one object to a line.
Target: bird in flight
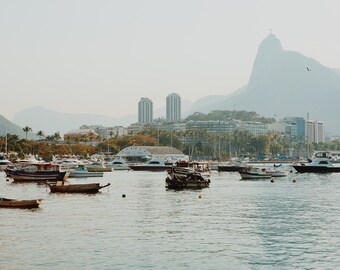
[{"x": 308, "y": 69}]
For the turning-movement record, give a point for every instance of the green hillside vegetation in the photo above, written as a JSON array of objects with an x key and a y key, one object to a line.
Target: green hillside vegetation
[{"x": 226, "y": 115}]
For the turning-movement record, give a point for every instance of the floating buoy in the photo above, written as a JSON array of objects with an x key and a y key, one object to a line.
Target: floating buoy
[
  {"x": 294, "y": 180},
  {"x": 123, "y": 195},
  {"x": 200, "y": 196},
  {"x": 272, "y": 180}
]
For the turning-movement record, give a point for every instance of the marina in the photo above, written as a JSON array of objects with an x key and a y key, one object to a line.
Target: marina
[{"x": 139, "y": 224}]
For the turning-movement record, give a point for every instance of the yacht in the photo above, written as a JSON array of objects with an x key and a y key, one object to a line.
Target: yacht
[
  {"x": 152, "y": 165},
  {"x": 118, "y": 164},
  {"x": 4, "y": 163},
  {"x": 322, "y": 163}
]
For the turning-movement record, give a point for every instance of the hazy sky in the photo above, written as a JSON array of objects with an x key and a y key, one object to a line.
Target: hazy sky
[{"x": 101, "y": 56}]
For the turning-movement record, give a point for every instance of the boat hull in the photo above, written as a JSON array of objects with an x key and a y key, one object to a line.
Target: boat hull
[
  {"x": 10, "y": 203},
  {"x": 228, "y": 168},
  {"x": 37, "y": 176},
  {"x": 84, "y": 175},
  {"x": 77, "y": 188},
  {"x": 251, "y": 175},
  {"x": 149, "y": 168},
  {"x": 316, "y": 169}
]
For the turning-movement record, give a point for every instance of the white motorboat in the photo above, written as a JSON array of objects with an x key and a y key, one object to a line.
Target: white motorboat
[
  {"x": 152, "y": 165},
  {"x": 322, "y": 163},
  {"x": 118, "y": 164},
  {"x": 82, "y": 171},
  {"x": 4, "y": 163},
  {"x": 254, "y": 173}
]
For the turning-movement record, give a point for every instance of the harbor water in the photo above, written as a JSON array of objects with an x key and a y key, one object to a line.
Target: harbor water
[{"x": 232, "y": 224}]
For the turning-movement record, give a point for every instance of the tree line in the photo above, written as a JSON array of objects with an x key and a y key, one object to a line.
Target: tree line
[{"x": 197, "y": 144}]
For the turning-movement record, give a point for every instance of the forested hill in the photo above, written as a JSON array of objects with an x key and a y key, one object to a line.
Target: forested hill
[{"x": 229, "y": 115}]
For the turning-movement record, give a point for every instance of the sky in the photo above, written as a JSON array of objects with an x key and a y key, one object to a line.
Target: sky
[{"x": 101, "y": 57}]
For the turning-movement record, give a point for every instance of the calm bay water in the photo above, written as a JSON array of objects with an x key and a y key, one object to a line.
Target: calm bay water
[{"x": 234, "y": 225}]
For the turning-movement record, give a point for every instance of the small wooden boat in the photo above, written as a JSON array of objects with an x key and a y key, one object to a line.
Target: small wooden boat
[
  {"x": 75, "y": 188},
  {"x": 11, "y": 203}
]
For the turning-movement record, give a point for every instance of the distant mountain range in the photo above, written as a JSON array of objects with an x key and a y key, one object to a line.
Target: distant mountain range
[{"x": 282, "y": 83}]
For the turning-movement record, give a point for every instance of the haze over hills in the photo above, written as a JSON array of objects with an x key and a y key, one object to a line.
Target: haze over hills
[
  {"x": 281, "y": 85},
  {"x": 11, "y": 128},
  {"x": 40, "y": 118}
]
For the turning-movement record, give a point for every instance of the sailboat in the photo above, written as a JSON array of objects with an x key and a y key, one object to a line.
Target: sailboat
[{"x": 4, "y": 162}]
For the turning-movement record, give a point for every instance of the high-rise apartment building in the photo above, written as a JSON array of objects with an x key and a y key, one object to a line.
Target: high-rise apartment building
[
  {"x": 145, "y": 110},
  {"x": 173, "y": 108}
]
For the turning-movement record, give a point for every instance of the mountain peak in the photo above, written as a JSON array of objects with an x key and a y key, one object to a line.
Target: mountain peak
[{"x": 271, "y": 44}]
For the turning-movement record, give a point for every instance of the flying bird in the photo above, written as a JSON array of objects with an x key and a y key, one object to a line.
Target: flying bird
[{"x": 308, "y": 69}]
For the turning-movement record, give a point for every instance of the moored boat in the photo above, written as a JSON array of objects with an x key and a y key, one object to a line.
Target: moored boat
[
  {"x": 320, "y": 164},
  {"x": 4, "y": 163},
  {"x": 98, "y": 167},
  {"x": 118, "y": 165},
  {"x": 37, "y": 172},
  {"x": 201, "y": 167},
  {"x": 182, "y": 178},
  {"x": 75, "y": 188},
  {"x": 152, "y": 165},
  {"x": 254, "y": 173},
  {"x": 11, "y": 203},
  {"x": 82, "y": 171}
]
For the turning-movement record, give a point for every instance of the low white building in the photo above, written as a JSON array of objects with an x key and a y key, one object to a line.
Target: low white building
[{"x": 143, "y": 153}]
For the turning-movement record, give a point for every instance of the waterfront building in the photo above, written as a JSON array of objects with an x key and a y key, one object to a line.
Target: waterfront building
[
  {"x": 256, "y": 128},
  {"x": 144, "y": 153},
  {"x": 212, "y": 126},
  {"x": 287, "y": 128},
  {"x": 173, "y": 107},
  {"x": 145, "y": 110}
]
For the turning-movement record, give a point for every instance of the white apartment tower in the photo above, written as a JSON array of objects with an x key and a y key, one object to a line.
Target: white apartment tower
[
  {"x": 173, "y": 108},
  {"x": 145, "y": 110},
  {"x": 314, "y": 131}
]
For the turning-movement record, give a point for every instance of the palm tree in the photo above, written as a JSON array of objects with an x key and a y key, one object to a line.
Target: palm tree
[
  {"x": 26, "y": 130},
  {"x": 57, "y": 136},
  {"x": 41, "y": 134}
]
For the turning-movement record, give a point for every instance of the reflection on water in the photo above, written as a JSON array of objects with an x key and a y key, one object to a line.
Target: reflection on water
[{"x": 230, "y": 225}]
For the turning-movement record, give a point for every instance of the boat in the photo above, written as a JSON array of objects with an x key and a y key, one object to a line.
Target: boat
[
  {"x": 228, "y": 168},
  {"x": 232, "y": 166},
  {"x": 201, "y": 167},
  {"x": 82, "y": 171},
  {"x": 11, "y": 203},
  {"x": 75, "y": 188},
  {"x": 151, "y": 165},
  {"x": 39, "y": 172},
  {"x": 118, "y": 164},
  {"x": 4, "y": 163},
  {"x": 185, "y": 179},
  {"x": 275, "y": 171},
  {"x": 254, "y": 173},
  {"x": 98, "y": 166},
  {"x": 322, "y": 163}
]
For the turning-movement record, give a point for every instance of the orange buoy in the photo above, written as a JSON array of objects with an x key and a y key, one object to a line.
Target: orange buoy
[
  {"x": 294, "y": 181},
  {"x": 200, "y": 196}
]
